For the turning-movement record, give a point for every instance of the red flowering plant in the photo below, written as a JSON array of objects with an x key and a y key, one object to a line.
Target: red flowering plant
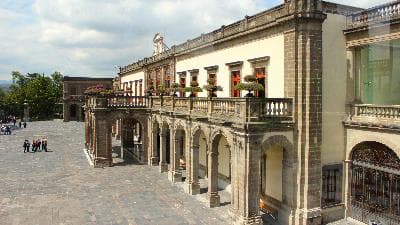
[{"x": 99, "y": 90}]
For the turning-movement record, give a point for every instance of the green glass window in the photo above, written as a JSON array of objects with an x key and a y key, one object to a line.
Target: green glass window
[{"x": 378, "y": 70}]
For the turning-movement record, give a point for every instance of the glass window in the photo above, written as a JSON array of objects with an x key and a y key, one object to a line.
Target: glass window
[
  {"x": 378, "y": 73},
  {"x": 331, "y": 185}
]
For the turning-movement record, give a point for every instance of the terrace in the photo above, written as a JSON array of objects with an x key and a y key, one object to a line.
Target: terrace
[{"x": 220, "y": 110}]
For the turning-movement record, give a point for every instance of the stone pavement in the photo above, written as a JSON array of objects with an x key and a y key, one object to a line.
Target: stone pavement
[{"x": 59, "y": 187}]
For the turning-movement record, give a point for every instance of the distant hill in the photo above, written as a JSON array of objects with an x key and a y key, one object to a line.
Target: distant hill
[{"x": 5, "y": 84}]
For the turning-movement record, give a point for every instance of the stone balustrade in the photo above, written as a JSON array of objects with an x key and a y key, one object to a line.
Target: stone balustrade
[
  {"x": 380, "y": 14},
  {"x": 377, "y": 111},
  {"x": 221, "y": 109},
  {"x": 382, "y": 116}
]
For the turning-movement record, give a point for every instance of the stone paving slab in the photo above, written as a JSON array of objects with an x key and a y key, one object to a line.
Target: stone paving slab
[{"x": 59, "y": 187}]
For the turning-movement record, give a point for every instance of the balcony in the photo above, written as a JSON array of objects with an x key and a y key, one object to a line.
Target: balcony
[
  {"x": 383, "y": 14},
  {"x": 375, "y": 116},
  {"x": 220, "y": 110}
]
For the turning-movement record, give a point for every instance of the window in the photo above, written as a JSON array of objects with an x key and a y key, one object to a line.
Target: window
[
  {"x": 182, "y": 83},
  {"x": 235, "y": 68},
  {"x": 194, "y": 78},
  {"x": 260, "y": 76},
  {"x": 377, "y": 67},
  {"x": 140, "y": 87},
  {"x": 167, "y": 76},
  {"x": 331, "y": 185},
  {"x": 235, "y": 80}
]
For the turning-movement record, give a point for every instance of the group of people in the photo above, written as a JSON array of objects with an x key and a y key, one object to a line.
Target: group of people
[{"x": 37, "y": 145}]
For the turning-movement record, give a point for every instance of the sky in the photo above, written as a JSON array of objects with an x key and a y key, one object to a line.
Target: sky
[{"x": 94, "y": 37}]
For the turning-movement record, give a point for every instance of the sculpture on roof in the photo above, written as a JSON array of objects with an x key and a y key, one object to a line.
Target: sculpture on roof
[{"x": 159, "y": 45}]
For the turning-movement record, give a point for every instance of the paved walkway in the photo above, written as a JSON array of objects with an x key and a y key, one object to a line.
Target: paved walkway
[{"x": 59, "y": 187}]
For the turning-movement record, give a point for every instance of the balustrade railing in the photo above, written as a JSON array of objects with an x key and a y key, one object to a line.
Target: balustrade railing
[
  {"x": 128, "y": 101},
  {"x": 229, "y": 109},
  {"x": 377, "y": 111},
  {"x": 382, "y": 13}
]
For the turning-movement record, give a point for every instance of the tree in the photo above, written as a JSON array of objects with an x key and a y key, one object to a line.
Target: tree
[{"x": 42, "y": 93}]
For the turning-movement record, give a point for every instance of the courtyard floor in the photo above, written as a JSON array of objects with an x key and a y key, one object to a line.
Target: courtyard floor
[{"x": 60, "y": 187}]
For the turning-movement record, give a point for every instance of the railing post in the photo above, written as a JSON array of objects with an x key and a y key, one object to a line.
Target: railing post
[
  {"x": 190, "y": 104},
  {"x": 210, "y": 107}
]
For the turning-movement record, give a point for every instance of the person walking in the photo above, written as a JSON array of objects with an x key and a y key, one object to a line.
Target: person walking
[
  {"x": 28, "y": 145},
  {"x": 45, "y": 145},
  {"x": 33, "y": 145},
  {"x": 25, "y": 145},
  {"x": 24, "y": 124},
  {"x": 20, "y": 124}
]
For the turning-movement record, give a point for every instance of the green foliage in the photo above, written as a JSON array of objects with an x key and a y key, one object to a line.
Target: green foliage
[
  {"x": 250, "y": 85},
  {"x": 41, "y": 92},
  {"x": 250, "y": 78},
  {"x": 161, "y": 89},
  {"x": 193, "y": 89}
]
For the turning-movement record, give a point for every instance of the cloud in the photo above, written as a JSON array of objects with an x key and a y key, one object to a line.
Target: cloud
[{"x": 91, "y": 37}]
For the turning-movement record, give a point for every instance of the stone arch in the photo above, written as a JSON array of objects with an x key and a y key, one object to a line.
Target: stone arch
[
  {"x": 374, "y": 181},
  {"x": 375, "y": 153},
  {"x": 287, "y": 168},
  {"x": 218, "y": 133},
  {"x": 372, "y": 138},
  {"x": 282, "y": 141}
]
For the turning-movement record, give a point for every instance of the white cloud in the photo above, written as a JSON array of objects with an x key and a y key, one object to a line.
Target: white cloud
[{"x": 90, "y": 37}]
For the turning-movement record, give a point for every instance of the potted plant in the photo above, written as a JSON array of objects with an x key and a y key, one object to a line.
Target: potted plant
[
  {"x": 175, "y": 87},
  {"x": 161, "y": 90},
  {"x": 194, "y": 88},
  {"x": 250, "y": 85},
  {"x": 212, "y": 88},
  {"x": 149, "y": 91}
]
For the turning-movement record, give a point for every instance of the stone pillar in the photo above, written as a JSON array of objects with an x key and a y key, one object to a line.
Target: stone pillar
[
  {"x": 65, "y": 111},
  {"x": 102, "y": 154},
  {"x": 118, "y": 130},
  {"x": 87, "y": 132},
  {"x": 193, "y": 170},
  {"x": 163, "y": 151},
  {"x": 303, "y": 82},
  {"x": 213, "y": 196},
  {"x": 246, "y": 181},
  {"x": 154, "y": 155},
  {"x": 174, "y": 173}
]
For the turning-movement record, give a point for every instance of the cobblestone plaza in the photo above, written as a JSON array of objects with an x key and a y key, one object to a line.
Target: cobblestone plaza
[{"x": 60, "y": 187}]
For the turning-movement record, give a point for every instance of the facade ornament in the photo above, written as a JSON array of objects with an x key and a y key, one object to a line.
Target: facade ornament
[{"x": 159, "y": 45}]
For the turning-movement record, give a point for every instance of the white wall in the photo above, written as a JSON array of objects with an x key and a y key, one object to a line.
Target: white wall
[
  {"x": 135, "y": 76},
  {"x": 272, "y": 47},
  {"x": 333, "y": 89}
]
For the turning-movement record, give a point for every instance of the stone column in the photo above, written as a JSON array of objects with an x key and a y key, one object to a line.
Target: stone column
[
  {"x": 163, "y": 151},
  {"x": 87, "y": 132},
  {"x": 154, "y": 156},
  {"x": 118, "y": 130},
  {"x": 246, "y": 180},
  {"x": 303, "y": 82},
  {"x": 193, "y": 171},
  {"x": 175, "y": 175},
  {"x": 213, "y": 196},
  {"x": 102, "y": 156}
]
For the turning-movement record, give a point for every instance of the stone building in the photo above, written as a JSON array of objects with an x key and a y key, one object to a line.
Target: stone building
[
  {"x": 73, "y": 95},
  {"x": 319, "y": 144}
]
